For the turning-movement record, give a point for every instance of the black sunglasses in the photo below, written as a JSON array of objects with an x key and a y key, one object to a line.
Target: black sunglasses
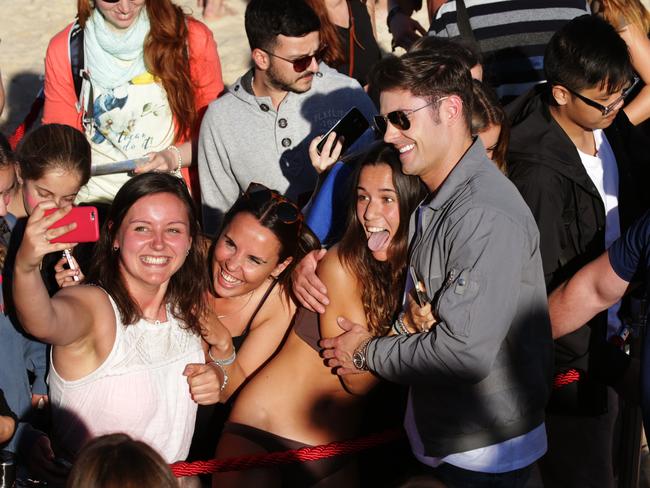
[
  {"x": 302, "y": 63},
  {"x": 399, "y": 118},
  {"x": 606, "y": 109},
  {"x": 287, "y": 211}
]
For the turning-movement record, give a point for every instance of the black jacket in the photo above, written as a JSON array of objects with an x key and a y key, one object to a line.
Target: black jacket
[{"x": 545, "y": 166}]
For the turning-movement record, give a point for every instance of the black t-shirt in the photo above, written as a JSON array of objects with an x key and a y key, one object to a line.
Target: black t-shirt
[
  {"x": 630, "y": 254},
  {"x": 366, "y": 50}
]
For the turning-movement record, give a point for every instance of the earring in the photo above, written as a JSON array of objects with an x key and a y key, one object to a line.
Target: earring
[
  {"x": 116, "y": 248},
  {"x": 188, "y": 251}
]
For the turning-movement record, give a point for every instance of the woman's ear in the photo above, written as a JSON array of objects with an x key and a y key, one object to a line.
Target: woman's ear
[
  {"x": 18, "y": 175},
  {"x": 277, "y": 271}
]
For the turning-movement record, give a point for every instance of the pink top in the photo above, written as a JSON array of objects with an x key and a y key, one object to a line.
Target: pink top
[{"x": 139, "y": 390}]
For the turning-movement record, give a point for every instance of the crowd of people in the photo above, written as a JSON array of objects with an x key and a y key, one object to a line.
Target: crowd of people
[{"x": 471, "y": 268}]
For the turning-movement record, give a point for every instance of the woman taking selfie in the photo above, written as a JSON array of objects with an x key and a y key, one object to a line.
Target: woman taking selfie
[
  {"x": 149, "y": 72},
  {"x": 126, "y": 349}
]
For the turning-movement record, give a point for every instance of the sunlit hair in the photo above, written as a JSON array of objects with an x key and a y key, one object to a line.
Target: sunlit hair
[
  {"x": 295, "y": 238},
  {"x": 443, "y": 46},
  {"x": 265, "y": 20},
  {"x": 630, "y": 11},
  {"x": 382, "y": 281},
  {"x": 166, "y": 57},
  {"x": 486, "y": 112},
  {"x": 334, "y": 55},
  {"x": 587, "y": 52},
  {"x": 117, "y": 461},
  {"x": 186, "y": 287},
  {"x": 54, "y": 147}
]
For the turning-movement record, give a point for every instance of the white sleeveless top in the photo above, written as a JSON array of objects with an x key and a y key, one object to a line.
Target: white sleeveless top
[{"x": 139, "y": 390}]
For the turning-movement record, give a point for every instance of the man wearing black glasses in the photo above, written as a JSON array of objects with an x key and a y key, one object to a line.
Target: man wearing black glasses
[
  {"x": 261, "y": 128},
  {"x": 479, "y": 376},
  {"x": 574, "y": 159}
]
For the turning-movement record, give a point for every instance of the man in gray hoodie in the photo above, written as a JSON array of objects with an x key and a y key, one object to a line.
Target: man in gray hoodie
[{"x": 261, "y": 128}]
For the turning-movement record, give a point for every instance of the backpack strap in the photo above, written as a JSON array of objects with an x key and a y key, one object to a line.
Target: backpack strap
[
  {"x": 464, "y": 27},
  {"x": 76, "y": 53}
]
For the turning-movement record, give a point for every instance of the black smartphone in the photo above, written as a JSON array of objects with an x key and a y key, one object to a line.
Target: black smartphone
[
  {"x": 418, "y": 285},
  {"x": 349, "y": 128}
]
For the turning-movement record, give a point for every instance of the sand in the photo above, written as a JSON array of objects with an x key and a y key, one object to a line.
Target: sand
[{"x": 28, "y": 25}]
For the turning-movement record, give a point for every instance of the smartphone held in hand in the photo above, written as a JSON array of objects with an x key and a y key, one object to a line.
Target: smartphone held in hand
[
  {"x": 348, "y": 129},
  {"x": 87, "y": 229}
]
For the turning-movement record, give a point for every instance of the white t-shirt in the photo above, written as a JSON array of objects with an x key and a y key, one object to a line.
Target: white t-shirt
[
  {"x": 128, "y": 122},
  {"x": 603, "y": 172}
]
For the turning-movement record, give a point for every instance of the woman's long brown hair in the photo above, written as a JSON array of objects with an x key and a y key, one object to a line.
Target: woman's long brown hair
[
  {"x": 166, "y": 55},
  {"x": 383, "y": 281}
]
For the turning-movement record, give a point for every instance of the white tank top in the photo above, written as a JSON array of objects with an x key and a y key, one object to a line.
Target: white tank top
[{"x": 139, "y": 390}]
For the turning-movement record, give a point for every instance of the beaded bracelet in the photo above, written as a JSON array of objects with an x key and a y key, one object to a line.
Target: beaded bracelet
[
  {"x": 179, "y": 160},
  {"x": 399, "y": 326},
  {"x": 225, "y": 375}
]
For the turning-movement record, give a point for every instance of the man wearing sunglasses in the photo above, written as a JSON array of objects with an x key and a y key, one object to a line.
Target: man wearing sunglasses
[
  {"x": 478, "y": 377},
  {"x": 261, "y": 128},
  {"x": 575, "y": 158}
]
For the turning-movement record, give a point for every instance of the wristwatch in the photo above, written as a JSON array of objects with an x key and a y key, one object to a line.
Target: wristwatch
[{"x": 359, "y": 355}]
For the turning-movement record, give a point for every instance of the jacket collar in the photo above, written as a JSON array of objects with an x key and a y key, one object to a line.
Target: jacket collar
[
  {"x": 459, "y": 175},
  {"x": 537, "y": 138}
]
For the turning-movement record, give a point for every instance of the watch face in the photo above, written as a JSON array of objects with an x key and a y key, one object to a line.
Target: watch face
[{"x": 359, "y": 360}]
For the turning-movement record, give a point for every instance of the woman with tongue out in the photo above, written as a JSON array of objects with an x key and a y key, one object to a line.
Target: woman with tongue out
[{"x": 296, "y": 401}]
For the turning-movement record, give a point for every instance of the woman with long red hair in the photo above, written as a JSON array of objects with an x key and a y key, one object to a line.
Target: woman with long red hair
[{"x": 143, "y": 74}]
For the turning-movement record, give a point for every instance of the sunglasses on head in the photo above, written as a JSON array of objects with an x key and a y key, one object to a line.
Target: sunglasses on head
[
  {"x": 605, "y": 110},
  {"x": 399, "y": 118},
  {"x": 303, "y": 62},
  {"x": 287, "y": 211}
]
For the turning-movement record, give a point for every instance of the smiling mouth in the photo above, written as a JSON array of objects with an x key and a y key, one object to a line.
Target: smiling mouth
[
  {"x": 230, "y": 279},
  {"x": 405, "y": 148},
  {"x": 155, "y": 260}
]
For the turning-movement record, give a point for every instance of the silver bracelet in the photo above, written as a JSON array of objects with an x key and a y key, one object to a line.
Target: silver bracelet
[
  {"x": 399, "y": 326},
  {"x": 225, "y": 376},
  {"x": 179, "y": 160},
  {"x": 223, "y": 362}
]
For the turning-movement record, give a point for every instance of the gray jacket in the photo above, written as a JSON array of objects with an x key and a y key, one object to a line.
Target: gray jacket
[
  {"x": 482, "y": 374},
  {"x": 243, "y": 139}
]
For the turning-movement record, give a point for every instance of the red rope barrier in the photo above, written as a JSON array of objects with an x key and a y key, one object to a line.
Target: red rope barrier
[
  {"x": 303, "y": 454},
  {"x": 566, "y": 378},
  {"x": 26, "y": 124}
]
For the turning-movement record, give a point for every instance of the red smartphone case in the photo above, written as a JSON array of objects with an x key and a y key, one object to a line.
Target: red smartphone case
[{"x": 87, "y": 225}]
